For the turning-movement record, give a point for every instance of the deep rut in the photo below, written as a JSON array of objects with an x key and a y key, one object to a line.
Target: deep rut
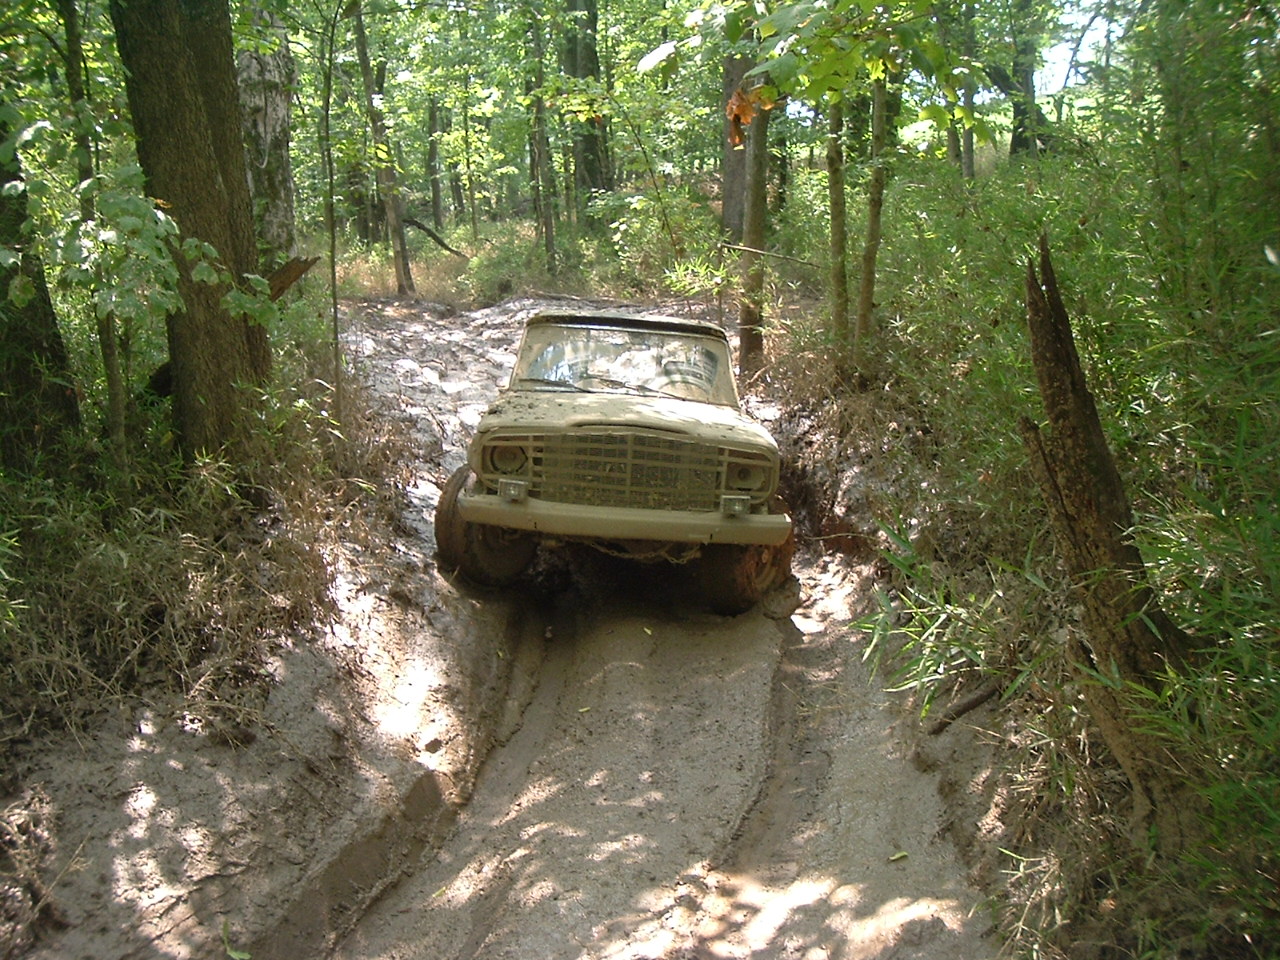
[{"x": 638, "y": 753}]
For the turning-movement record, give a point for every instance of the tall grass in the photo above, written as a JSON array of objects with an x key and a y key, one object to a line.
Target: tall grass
[
  {"x": 172, "y": 581},
  {"x": 1191, "y": 412}
]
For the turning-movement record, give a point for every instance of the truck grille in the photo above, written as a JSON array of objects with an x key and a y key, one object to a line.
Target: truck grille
[
  {"x": 649, "y": 470},
  {"x": 628, "y": 470}
]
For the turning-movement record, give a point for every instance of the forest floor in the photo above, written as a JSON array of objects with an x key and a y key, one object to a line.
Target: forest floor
[{"x": 590, "y": 767}]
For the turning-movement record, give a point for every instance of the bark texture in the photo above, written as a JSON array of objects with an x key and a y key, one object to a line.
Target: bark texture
[
  {"x": 185, "y": 106},
  {"x": 733, "y": 159},
  {"x": 266, "y": 83},
  {"x": 37, "y": 398},
  {"x": 751, "y": 308},
  {"x": 1128, "y": 641}
]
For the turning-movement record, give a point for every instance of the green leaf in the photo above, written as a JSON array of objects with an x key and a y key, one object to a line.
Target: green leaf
[
  {"x": 733, "y": 26},
  {"x": 21, "y": 290},
  {"x": 204, "y": 272},
  {"x": 937, "y": 114},
  {"x": 654, "y": 57}
]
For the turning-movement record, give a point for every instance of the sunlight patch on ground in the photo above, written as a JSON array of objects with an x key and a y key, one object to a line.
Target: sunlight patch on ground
[
  {"x": 538, "y": 791},
  {"x": 403, "y": 713}
]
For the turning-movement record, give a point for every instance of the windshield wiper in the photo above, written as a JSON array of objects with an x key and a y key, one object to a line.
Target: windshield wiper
[
  {"x": 553, "y": 383},
  {"x": 623, "y": 385}
]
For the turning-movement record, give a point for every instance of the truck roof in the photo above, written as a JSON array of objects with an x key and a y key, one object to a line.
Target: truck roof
[{"x": 621, "y": 319}]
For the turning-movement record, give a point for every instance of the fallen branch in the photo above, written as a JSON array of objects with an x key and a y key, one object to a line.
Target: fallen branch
[
  {"x": 434, "y": 236},
  {"x": 964, "y": 705}
]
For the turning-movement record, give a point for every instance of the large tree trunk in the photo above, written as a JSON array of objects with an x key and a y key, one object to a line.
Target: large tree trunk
[
  {"x": 266, "y": 84},
  {"x": 751, "y": 308},
  {"x": 1129, "y": 641},
  {"x": 733, "y": 158},
  {"x": 37, "y": 398},
  {"x": 385, "y": 170},
  {"x": 181, "y": 85}
]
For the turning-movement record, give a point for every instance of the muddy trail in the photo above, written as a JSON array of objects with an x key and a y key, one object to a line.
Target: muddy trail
[
  {"x": 666, "y": 783},
  {"x": 589, "y": 767}
]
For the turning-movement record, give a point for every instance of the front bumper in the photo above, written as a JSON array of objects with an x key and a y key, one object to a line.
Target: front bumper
[{"x": 624, "y": 523}]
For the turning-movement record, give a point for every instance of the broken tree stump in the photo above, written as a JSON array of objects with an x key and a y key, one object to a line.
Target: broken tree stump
[
  {"x": 287, "y": 274},
  {"x": 1128, "y": 640}
]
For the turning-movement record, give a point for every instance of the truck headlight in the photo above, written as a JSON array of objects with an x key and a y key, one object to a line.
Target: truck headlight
[
  {"x": 747, "y": 477},
  {"x": 505, "y": 458}
]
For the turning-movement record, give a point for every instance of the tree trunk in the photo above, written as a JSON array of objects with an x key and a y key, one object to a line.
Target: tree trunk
[
  {"x": 1129, "y": 641},
  {"x": 108, "y": 338},
  {"x": 590, "y": 137},
  {"x": 839, "y": 233},
  {"x": 384, "y": 162},
  {"x": 871, "y": 243},
  {"x": 37, "y": 397},
  {"x": 181, "y": 86},
  {"x": 266, "y": 84},
  {"x": 541, "y": 173},
  {"x": 1031, "y": 128},
  {"x": 434, "y": 132},
  {"x": 206, "y": 36},
  {"x": 780, "y": 164},
  {"x": 751, "y": 309},
  {"x": 955, "y": 29},
  {"x": 733, "y": 158}
]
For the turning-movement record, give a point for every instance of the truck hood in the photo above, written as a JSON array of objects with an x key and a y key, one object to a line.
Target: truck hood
[{"x": 553, "y": 411}]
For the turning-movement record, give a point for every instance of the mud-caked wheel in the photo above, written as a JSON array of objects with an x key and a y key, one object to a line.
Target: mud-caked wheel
[
  {"x": 489, "y": 555},
  {"x": 733, "y": 578}
]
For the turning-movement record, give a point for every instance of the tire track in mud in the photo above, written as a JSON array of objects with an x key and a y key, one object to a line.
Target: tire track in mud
[{"x": 640, "y": 749}]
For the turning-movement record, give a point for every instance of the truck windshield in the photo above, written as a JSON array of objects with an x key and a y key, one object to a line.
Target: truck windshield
[{"x": 607, "y": 359}]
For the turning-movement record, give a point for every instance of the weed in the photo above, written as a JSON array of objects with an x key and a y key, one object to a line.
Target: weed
[{"x": 174, "y": 581}]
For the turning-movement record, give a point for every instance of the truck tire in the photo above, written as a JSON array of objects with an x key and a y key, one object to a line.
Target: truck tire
[
  {"x": 735, "y": 577},
  {"x": 488, "y": 555}
]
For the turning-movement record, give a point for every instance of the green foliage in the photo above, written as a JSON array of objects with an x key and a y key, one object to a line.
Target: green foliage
[
  {"x": 511, "y": 263},
  {"x": 175, "y": 580},
  {"x": 653, "y": 234},
  {"x": 9, "y": 606},
  {"x": 1168, "y": 287},
  {"x": 1158, "y": 197},
  {"x": 803, "y": 219}
]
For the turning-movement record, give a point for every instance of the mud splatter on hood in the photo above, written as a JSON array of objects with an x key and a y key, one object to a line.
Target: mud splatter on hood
[{"x": 537, "y": 410}]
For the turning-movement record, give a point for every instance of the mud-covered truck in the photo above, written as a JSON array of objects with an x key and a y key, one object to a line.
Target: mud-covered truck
[{"x": 623, "y": 432}]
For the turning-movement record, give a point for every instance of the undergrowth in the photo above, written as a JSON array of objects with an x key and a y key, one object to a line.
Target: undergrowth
[
  {"x": 172, "y": 582},
  {"x": 926, "y": 467}
]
